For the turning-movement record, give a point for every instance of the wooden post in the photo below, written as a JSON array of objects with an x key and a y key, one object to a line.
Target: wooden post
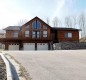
[{"x": 6, "y": 45}]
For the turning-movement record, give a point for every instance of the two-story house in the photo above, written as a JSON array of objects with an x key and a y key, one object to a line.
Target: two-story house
[{"x": 37, "y": 35}]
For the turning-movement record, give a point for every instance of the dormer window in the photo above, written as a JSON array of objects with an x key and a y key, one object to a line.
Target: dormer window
[
  {"x": 26, "y": 33},
  {"x": 15, "y": 34}
]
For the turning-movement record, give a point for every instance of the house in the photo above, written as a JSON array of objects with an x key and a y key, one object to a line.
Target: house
[
  {"x": 2, "y": 35},
  {"x": 36, "y": 35}
]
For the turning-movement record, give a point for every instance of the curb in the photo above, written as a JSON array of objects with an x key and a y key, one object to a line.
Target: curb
[{"x": 8, "y": 67}]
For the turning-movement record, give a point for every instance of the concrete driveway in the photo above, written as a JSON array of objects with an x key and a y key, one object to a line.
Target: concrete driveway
[{"x": 53, "y": 65}]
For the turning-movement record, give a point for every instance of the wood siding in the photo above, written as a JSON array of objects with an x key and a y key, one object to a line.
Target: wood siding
[
  {"x": 9, "y": 34},
  {"x": 53, "y": 35},
  {"x": 41, "y": 29},
  {"x": 61, "y": 35}
]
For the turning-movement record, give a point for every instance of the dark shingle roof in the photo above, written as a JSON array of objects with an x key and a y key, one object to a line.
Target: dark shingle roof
[
  {"x": 63, "y": 28},
  {"x": 13, "y": 28}
]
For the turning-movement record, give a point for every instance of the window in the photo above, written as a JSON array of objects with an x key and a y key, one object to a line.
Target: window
[
  {"x": 15, "y": 34},
  {"x": 38, "y": 24},
  {"x": 35, "y": 34},
  {"x": 44, "y": 33},
  {"x": 38, "y": 34},
  {"x": 34, "y": 24},
  {"x": 68, "y": 35},
  {"x": 44, "y": 27},
  {"x": 26, "y": 33}
]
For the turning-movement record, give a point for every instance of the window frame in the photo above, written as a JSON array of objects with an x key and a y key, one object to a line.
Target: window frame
[
  {"x": 68, "y": 35},
  {"x": 27, "y": 34},
  {"x": 37, "y": 35},
  {"x": 33, "y": 35},
  {"x": 14, "y": 34},
  {"x": 45, "y": 34},
  {"x": 36, "y": 24}
]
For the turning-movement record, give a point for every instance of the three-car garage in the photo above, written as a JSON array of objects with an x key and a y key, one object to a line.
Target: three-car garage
[{"x": 29, "y": 46}]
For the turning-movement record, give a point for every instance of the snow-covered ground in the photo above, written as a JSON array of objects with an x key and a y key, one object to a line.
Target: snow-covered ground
[{"x": 53, "y": 65}]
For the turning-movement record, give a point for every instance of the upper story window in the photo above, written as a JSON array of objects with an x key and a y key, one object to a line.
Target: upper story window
[
  {"x": 26, "y": 33},
  {"x": 44, "y": 27},
  {"x": 44, "y": 33},
  {"x": 15, "y": 34},
  {"x": 68, "y": 35},
  {"x": 36, "y": 24}
]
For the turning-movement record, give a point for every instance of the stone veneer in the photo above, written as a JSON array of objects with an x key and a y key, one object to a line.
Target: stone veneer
[{"x": 69, "y": 45}]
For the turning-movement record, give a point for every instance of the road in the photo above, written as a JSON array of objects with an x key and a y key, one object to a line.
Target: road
[{"x": 53, "y": 65}]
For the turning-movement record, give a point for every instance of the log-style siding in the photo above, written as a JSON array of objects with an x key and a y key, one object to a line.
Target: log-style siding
[
  {"x": 54, "y": 35},
  {"x": 61, "y": 35},
  {"x": 9, "y": 34},
  {"x": 31, "y": 29}
]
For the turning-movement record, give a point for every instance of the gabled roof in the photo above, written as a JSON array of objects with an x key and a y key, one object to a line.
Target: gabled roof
[
  {"x": 63, "y": 28},
  {"x": 53, "y": 28},
  {"x": 38, "y": 19},
  {"x": 12, "y": 28}
]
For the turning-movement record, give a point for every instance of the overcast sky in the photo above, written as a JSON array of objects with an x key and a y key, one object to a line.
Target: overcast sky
[{"x": 12, "y": 11}]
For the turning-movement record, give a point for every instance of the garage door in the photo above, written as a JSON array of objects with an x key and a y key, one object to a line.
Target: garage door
[
  {"x": 14, "y": 47},
  {"x": 29, "y": 46},
  {"x": 42, "y": 46}
]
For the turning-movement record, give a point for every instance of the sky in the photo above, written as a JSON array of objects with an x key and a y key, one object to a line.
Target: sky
[{"x": 13, "y": 11}]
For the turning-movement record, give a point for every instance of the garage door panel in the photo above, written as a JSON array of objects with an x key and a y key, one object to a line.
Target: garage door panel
[
  {"x": 42, "y": 46},
  {"x": 29, "y": 46},
  {"x": 13, "y": 47}
]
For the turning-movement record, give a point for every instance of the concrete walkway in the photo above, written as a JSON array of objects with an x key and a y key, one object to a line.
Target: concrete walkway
[{"x": 53, "y": 65}]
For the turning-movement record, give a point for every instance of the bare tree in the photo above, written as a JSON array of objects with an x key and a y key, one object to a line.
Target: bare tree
[
  {"x": 21, "y": 22},
  {"x": 56, "y": 22},
  {"x": 82, "y": 24},
  {"x": 74, "y": 21},
  {"x": 48, "y": 20},
  {"x": 68, "y": 21}
]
